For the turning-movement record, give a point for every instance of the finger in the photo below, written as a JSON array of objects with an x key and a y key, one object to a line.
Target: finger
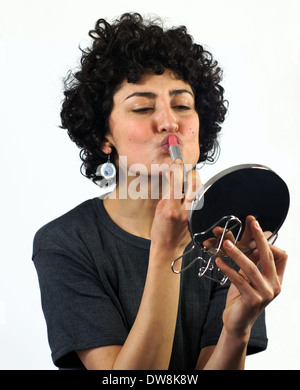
[
  {"x": 248, "y": 234},
  {"x": 210, "y": 243},
  {"x": 176, "y": 180},
  {"x": 280, "y": 259},
  {"x": 237, "y": 278},
  {"x": 192, "y": 187},
  {"x": 247, "y": 243},
  {"x": 248, "y": 269},
  {"x": 252, "y": 243},
  {"x": 266, "y": 258},
  {"x": 218, "y": 231},
  {"x": 213, "y": 243}
]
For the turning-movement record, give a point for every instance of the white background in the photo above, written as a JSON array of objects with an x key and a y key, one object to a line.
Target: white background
[{"x": 256, "y": 42}]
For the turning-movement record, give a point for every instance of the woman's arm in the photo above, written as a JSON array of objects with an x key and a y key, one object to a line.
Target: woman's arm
[
  {"x": 149, "y": 343},
  {"x": 228, "y": 354}
]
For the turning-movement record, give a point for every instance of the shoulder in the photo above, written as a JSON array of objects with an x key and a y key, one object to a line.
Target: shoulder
[{"x": 66, "y": 228}]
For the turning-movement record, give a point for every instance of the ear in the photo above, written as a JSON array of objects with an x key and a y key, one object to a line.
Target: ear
[{"x": 106, "y": 146}]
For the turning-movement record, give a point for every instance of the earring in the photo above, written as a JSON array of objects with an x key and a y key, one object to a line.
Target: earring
[{"x": 108, "y": 172}]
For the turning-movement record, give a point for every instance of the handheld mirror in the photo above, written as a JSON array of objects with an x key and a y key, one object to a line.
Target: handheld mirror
[{"x": 226, "y": 200}]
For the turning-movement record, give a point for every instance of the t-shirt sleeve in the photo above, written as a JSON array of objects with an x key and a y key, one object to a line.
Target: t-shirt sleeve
[
  {"x": 79, "y": 310},
  {"x": 213, "y": 324}
]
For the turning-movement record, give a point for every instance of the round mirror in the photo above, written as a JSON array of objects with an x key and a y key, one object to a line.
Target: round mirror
[
  {"x": 226, "y": 200},
  {"x": 239, "y": 191}
]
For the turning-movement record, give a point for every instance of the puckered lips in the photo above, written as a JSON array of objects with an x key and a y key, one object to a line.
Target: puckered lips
[{"x": 165, "y": 143}]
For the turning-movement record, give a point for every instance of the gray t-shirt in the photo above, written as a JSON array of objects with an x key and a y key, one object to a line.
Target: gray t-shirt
[{"x": 92, "y": 275}]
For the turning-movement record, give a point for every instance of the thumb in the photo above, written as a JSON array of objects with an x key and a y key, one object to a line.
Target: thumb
[{"x": 194, "y": 185}]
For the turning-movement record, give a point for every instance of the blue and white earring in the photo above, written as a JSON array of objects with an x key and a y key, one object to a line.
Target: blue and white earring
[{"x": 108, "y": 172}]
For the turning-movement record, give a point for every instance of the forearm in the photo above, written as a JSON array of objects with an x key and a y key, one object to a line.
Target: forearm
[
  {"x": 149, "y": 343},
  {"x": 229, "y": 353}
]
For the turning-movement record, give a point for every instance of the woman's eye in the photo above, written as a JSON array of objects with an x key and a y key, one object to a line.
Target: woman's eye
[
  {"x": 142, "y": 110},
  {"x": 182, "y": 107}
]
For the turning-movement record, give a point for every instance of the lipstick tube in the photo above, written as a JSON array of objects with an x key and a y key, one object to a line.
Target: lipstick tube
[{"x": 175, "y": 153}]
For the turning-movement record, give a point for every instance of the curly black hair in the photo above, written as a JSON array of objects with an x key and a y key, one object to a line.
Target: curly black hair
[{"x": 125, "y": 50}]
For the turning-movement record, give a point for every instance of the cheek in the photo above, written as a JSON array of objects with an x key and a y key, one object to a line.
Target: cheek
[
  {"x": 138, "y": 133},
  {"x": 134, "y": 145},
  {"x": 193, "y": 136},
  {"x": 193, "y": 131},
  {"x": 127, "y": 136}
]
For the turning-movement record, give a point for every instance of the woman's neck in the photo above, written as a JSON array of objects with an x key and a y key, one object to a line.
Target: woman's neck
[
  {"x": 133, "y": 215},
  {"x": 133, "y": 207}
]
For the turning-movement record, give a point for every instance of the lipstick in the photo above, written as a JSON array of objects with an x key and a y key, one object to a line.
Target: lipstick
[
  {"x": 174, "y": 148},
  {"x": 175, "y": 152}
]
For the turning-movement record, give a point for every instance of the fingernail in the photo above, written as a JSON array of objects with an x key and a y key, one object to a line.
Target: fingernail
[
  {"x": 257, "y": 225},
  {"x": 178, "y": 161},
  {"x": 228, "y": 244}
]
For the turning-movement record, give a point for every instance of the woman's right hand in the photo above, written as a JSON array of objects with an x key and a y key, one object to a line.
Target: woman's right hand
[{"x": 170, "y": 224}]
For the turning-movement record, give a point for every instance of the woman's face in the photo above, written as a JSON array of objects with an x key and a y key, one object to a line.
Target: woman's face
[{"x": 145, "y": 114}]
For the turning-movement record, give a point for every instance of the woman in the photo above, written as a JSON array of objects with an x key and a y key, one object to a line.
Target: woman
[{"x": 109, "y": 297}]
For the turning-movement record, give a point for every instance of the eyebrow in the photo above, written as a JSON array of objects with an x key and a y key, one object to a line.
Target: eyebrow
[{"x": 151, "y": 95}]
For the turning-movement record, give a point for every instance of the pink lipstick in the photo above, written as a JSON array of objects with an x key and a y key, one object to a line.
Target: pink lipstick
[
  {"x": 165, "y": 143},
  {"x": 174, "y": 148}
]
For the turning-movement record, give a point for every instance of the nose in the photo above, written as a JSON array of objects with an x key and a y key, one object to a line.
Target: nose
[{"x": 165, "y": 120}]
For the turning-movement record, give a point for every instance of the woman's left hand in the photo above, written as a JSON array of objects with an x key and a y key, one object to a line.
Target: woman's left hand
[{"x": 251, "y": 289}]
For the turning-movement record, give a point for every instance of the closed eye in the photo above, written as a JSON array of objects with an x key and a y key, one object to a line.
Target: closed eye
[
  {"x": 143, "y": 110},
  {"x": 181, "y": 107}
]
